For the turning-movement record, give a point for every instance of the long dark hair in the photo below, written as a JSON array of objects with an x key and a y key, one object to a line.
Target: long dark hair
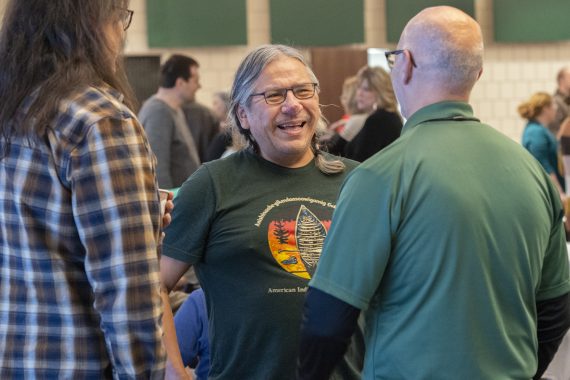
[{"x": 54, "y": 47}]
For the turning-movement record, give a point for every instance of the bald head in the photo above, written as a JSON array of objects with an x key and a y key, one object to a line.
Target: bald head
[{"x": 447, "y": 46}]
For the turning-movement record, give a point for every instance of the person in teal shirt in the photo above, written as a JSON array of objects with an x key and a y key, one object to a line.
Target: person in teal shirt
[
  {"x": 450, "y": 240},
  {"x": 540, "y": 111}
]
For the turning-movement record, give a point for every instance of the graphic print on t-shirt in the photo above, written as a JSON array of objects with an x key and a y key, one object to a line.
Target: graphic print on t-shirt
[{"x": 296, "y": 233}]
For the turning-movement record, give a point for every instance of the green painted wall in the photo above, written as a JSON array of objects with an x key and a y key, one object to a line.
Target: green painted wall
[
  {"x": 317, "y": 22},
  {"x": 399, "y": 12},
  {"x": 188, "y": 23}
]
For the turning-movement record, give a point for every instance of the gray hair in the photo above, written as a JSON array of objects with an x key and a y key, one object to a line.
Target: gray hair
[{"x": 247, "y": 74}]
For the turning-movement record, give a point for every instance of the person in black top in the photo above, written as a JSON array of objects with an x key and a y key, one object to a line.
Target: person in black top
[{"x": 383, "y": 125}]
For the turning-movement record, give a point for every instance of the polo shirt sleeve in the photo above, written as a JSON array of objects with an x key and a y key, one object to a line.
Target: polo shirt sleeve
[
  {"x": 555, "y": 277},
  {"x": 194, "y": 206},
  {"x": 357, "y": 248}
]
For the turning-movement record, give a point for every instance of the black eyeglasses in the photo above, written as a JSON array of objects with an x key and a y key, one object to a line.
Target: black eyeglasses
[
  {"x": 126, "y": 17},
  {"x": 391, "y": 57},
  {"x": 278, "y": 96}
]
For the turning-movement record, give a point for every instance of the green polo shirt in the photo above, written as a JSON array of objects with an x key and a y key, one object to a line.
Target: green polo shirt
[{"x": 447, "y": 239}]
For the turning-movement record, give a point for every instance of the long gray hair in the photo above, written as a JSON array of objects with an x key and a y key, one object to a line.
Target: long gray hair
[{"x": 249, "y": 70}]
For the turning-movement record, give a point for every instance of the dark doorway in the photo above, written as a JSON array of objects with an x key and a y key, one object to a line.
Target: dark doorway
[
  {"x": 332, "y": 66},
  {"x": 143, "y": 73}
]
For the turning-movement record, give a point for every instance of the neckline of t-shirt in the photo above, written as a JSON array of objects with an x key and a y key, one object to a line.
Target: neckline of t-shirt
[{"x": 275, "y": 167}]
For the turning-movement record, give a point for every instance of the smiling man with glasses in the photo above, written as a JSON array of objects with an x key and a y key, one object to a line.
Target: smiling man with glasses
[
  {"x": 450, "y": 240},
  {"x": 258, "y": 219}
]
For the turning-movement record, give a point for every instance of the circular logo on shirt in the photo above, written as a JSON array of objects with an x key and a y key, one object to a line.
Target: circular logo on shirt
[{"x": 296, "y": 243}]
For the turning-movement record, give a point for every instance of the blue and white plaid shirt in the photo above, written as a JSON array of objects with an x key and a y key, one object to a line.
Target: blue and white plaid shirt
[{"x": 79, "y": 224}]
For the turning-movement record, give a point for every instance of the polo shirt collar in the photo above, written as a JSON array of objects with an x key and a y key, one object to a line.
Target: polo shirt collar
[{"x": 441, "y": 110}]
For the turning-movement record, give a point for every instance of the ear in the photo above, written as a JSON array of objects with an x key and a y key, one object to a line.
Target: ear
[
  {"x": 242, "y": 116},
  {"x": 408, "y": 67},
  {"x": 179, "y": 82},
  {"x": 480, "y": 73}
]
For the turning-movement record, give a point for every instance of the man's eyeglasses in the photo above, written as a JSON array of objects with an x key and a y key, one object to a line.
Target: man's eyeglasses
[
  {"x": 126, "y": 17},
  {"x": 278, "y": 96},
  {"x": 391, "y": 57}
]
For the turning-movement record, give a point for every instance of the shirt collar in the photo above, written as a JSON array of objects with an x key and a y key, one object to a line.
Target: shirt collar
[
  {"x": 111, "y": 91},
  {"x": 441, "y": 110}
]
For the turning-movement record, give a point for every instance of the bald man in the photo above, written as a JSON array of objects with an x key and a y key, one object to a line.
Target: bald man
[
  {"x": 450, "y": 240},
  {"x": 562, "y": 99}
]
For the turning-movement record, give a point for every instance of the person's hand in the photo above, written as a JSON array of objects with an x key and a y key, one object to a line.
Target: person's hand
[
  {"x": 172, "y": 373},
  {"x": 337, "y": 126},
  {"x": 167, "y": 218}
]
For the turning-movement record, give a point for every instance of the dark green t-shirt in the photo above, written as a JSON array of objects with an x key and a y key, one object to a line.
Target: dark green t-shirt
[{"x": 254, "y": 232}]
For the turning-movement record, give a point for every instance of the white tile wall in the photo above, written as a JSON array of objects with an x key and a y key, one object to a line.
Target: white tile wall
[{"x": 512, "y": 72}]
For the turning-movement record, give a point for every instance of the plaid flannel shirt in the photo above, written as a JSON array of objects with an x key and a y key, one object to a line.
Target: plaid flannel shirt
[{"x": 79, "y": 224}]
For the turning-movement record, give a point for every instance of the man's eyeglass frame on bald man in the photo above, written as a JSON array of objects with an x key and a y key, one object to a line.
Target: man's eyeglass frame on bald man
[{"x": 391, "y": 57}]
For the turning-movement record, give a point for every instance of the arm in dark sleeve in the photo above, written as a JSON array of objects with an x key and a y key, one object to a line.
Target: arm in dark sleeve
[
  {"x": 328, "y": 323},
  {"x": 553, "y": 322},
  {"x": 380, "y": 130}
]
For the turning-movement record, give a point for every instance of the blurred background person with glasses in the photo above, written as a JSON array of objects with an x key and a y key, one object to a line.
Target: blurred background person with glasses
[
  {"x": 450, "y": 240},
  {"x": 253, "y": 224},
  {"x": 79, "y": 232}
]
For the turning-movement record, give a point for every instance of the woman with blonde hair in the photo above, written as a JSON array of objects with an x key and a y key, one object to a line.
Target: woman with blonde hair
[
  {"x": 382, "y": 125},
  {"x": 540, "y": 111}
]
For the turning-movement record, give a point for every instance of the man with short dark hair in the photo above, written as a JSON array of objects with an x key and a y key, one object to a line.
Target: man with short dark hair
[
  {"x": 165, "y": 123},
  {"x": 450, "y": 239}
]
